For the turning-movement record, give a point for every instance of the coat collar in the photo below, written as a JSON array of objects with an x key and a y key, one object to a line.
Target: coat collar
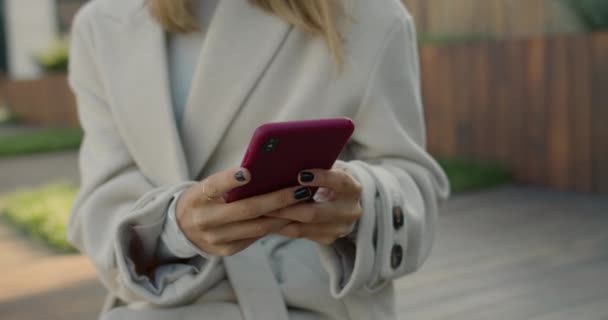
[
  {"x": 134, "y": 61},
  {"x": 239, "y": 45}
]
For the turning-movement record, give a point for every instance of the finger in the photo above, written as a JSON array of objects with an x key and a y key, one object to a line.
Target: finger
[
  {"x": 216, "y": 185},
  {"x": 315, "y": 231},
  {"x": 320, "y": 212},
  {"x": 249, "y": 229},
  {"x": 335, "y": 179},
  {"x": 258, "y": 206}
]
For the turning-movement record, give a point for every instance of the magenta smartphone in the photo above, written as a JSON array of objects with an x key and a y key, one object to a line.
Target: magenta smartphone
[{"x": 279, "y": 151}]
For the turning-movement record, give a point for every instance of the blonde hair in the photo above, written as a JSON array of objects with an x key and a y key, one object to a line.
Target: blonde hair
[{"x": 318, "y": 17}]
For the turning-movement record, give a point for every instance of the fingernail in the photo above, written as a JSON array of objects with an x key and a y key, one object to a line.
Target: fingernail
[
  {"x": 307, "y": 176},
  {"x": 240, "y": 176},
  {"x": 302, "y": 193}
]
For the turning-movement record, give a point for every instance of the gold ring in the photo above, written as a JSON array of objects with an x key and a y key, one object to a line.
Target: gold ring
[{"x": 206, "y": 195}]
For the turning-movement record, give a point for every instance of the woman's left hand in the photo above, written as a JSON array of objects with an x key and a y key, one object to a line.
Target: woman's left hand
[{"x": 334, "y": 214}]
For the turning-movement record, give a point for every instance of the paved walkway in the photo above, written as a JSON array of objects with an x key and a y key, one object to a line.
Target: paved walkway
[
  {"x": 511, "y": 253},
  {"x": 515, "y": 253},
  {"x": 28, "y": 171},
  {"x": 37, "y": 284},
  {"x": 34, "y": 281}
]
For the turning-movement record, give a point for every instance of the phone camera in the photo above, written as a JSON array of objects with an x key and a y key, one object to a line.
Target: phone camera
[{"x": 271, "y": 145}]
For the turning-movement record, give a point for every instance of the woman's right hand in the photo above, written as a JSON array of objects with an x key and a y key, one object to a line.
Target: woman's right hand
[{"x": 223, "y": 229}]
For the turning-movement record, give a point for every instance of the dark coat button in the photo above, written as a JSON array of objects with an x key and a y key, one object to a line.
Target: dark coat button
[
  {"x": 396, "y": 256},
  {"x": 398, "y": 218}
]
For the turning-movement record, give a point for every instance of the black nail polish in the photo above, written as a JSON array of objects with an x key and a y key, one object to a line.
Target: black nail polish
[
  {"x": 240, "y": 176},
  {"x": 307, "y": 176},
  {"x": 302, "y": 193}
]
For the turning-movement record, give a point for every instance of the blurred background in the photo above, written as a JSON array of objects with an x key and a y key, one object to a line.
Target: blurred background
[{"x": 516, "y": 97}]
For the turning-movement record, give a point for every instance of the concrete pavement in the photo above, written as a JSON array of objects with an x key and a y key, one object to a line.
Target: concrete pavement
[
  {"x": 29, "y": 171},
  {"x": 38, "y": 284},
  {"x": 508, "y": 253}
]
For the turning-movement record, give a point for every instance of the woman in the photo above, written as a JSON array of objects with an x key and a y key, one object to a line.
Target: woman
[{"x": 169, "y": 93}]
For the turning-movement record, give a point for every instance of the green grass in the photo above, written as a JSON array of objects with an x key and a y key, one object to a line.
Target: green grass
[
  {"x": 446, "y": 39},
  {"x": 39, "y": 141},
  {"x": 471, "y": 175},
  {"x": 6, "y": 117},
  {"x": 594, "y": 13},
  {"x": 42, "y": 213}
]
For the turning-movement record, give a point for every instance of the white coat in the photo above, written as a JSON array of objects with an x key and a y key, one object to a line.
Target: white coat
[{"x": 254, "y": 68}]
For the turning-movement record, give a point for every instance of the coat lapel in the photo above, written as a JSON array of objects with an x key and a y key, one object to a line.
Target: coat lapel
[
  {"x": 239, "y": 46},
  {"x": 143, "y": 102}
]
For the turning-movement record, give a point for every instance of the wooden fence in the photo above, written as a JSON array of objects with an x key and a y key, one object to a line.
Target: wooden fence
[
  {"x": 44, "y": 101},
  {"x": 496, "y": 18},
  {"x": 540, "y": 106}
]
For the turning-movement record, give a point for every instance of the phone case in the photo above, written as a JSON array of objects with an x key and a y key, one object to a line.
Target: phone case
[{"x": 279, "y": 151}]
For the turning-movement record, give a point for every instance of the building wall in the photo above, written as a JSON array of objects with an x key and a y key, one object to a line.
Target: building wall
[{"x": 31, "y": 26}]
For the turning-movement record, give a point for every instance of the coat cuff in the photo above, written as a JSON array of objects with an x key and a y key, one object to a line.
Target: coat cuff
[
  {"x": 174, "y": 242},
  {"x": 348, "y": 260},
  {"x": 140, "y": 271},
  {"x": 392, "y": 210}
]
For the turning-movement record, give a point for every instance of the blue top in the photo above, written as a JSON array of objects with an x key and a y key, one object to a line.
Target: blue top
[{"x": 183, "y": 56}]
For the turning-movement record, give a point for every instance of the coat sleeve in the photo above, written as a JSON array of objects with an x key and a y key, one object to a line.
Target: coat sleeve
[
  {"x": 402, "y": 184},
  {"x": 119, "y": 213}
]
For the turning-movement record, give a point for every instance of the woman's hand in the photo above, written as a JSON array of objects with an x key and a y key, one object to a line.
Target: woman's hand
[
  {"x": 335, "y": 213},
  {"x": 224, "y": 229}
]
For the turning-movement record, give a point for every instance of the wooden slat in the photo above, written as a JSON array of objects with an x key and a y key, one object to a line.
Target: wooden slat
[
  {"x": 600, "y": 112},
  {"x": 558, "y": 137},
  {"x": 445, "y": 91},
  {"x": 516, "y": 102},
  {"x": 432, "y": 109},
  {"x": 501, "y": 103},
  {"x": 461, "y": 68},
  {"x": 480, "y": 101},
  {"x": 535, "y": 125},
  {"x": 579, "y": 112}
]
